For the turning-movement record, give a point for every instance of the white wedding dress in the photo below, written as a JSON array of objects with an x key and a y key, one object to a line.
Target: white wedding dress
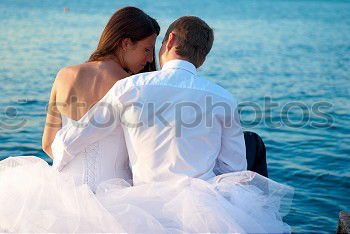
[
  {"x": 98, "y": 162},
  {"x": 93, "y": 193}
]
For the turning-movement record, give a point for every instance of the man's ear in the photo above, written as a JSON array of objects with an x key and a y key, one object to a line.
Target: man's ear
[
  {"x": 171, "y": 42},
  {"x": 126, "y": 43}
]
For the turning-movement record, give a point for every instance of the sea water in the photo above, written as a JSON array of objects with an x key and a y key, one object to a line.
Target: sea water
[{"x": 287, "y": 62}]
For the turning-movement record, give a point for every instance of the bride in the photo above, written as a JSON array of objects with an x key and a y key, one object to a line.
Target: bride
[
  {"x": 91, "y": 191},
  {"x": 126, "y": 47}
]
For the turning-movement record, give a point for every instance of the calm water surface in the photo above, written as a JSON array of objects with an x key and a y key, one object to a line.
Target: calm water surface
[{"x": 287, "y": 62}]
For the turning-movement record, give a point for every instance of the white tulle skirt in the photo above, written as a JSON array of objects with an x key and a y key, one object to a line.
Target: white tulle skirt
[{"x": 36, "y": 198}]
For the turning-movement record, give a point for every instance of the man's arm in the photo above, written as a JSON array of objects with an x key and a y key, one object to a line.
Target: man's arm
[
  {"x": 232, "y": 156},
  {"x": 100, "y": 121}
]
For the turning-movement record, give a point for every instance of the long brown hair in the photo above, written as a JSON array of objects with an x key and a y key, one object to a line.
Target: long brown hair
[{"x": 127, "y": 22}]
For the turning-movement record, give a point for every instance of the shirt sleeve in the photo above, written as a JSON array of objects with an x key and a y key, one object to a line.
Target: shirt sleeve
[
  {"x": 100, "y": 121},
  {"x": 232, "y": 156}
]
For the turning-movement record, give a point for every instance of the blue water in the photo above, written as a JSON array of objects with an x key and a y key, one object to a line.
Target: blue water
[{"x": 293, "y": 54}]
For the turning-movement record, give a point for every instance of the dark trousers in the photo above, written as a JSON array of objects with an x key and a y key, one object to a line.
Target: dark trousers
[{"x": 256, "y": 153}]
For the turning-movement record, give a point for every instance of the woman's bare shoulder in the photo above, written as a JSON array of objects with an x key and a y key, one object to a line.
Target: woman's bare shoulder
[
  {"x": 68, "y": 73},
  {"x": 69, "y": 76},
  {"x": 63, "y": 75},
  {"x": 102, "y": 74}
]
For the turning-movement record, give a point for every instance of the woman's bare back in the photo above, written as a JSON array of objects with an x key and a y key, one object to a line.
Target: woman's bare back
[{"x": 81, "y": 86}]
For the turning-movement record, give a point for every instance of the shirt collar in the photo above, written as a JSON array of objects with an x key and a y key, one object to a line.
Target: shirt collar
[{"x": 180, "y": 64}]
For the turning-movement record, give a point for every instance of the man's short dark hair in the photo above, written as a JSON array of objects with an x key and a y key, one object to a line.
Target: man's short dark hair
[{"x": 195, "y": 38}]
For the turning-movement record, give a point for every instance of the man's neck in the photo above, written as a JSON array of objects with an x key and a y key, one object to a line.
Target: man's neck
[{"x": 174, "y": 57}]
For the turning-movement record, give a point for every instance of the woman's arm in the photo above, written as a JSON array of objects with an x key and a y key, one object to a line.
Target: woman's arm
[{"x": 53, "y": 122}]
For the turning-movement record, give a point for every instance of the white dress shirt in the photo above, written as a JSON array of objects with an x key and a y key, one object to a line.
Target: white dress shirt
[{"x": 174, "y": 123}]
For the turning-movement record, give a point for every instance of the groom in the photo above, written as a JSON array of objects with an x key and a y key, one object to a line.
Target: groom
[{"x": 174, "y": 122}]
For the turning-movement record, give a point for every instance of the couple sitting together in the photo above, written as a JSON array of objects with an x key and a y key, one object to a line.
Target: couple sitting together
[{"x": 139, "y": 150}]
